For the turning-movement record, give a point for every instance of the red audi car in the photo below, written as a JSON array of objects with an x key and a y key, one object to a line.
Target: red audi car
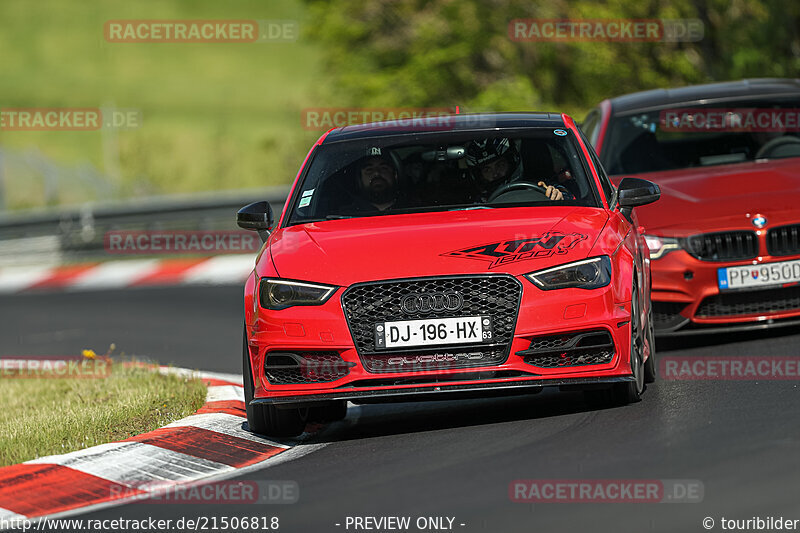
[
  {"x": 725, "y": 238},
  {"x": 436, "y": 259}
]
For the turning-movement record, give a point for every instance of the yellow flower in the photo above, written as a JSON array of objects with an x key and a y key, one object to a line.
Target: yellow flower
[{"x": 89, "y": 354}]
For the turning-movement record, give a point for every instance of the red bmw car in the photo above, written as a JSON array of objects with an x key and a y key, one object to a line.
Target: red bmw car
[
  {"x": 462, "y": 255},
  {"x": 725, "y": 238}
]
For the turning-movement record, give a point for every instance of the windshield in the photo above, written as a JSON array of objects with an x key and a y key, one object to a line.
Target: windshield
[
  {"x": 435, "y": 172},
  {"x": 696, "y": 136}
]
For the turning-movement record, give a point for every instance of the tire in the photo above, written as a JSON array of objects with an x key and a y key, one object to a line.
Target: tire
[
  {"x": 266, "y": 419},
  {"x": 328, "y": 412},
  {"x": 631, "y": 391},
  {"x": 650, "y": 366}
]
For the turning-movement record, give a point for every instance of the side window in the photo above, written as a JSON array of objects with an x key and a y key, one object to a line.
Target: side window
[
  {"x": 590, "y": 123},
  {"x": 608, "y": 188},
  {"x": 605, "y": 183}
]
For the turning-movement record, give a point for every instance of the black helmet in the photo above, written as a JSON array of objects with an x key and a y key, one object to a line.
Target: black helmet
[{"x": 485, "y": 151}]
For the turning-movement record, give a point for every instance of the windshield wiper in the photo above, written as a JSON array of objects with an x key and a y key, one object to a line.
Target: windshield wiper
[{"x": 329, "y": 217}]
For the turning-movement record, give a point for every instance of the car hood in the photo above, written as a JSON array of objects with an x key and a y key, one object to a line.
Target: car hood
[
  {"x": 513, "y": 240},
  {"x": 723, "y": 197}
]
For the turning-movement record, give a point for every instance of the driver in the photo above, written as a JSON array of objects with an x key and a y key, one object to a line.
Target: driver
[
  {"x": 494, "y": 163},
  {"x": 376, "y": 182}
]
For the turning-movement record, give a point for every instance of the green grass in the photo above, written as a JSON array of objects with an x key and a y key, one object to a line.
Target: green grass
[
  {"x": 215, "y": 115},
  {"x": 47, "y": 416}
]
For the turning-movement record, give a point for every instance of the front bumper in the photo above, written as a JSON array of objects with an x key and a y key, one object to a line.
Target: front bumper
[
  {"x": 324, "y": 328},
  {"x": 442, "y": 391}
]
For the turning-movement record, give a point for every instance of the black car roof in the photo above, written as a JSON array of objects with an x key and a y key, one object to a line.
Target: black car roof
[
  {"x": 708, "y": 93},
  {"x": 462, "y": 122}
]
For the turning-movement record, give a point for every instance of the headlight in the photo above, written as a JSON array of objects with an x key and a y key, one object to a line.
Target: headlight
[
  {"x": 587, "y": 274},
  {"x": 280, "y": 294},
  {"x": 660, "y": 245}
]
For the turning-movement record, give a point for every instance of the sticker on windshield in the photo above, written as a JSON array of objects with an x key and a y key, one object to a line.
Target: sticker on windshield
[
  {"x": 560, "y": 133},
  {"x": 504, "y": 252},
  {"x": 305, "y": 198}
]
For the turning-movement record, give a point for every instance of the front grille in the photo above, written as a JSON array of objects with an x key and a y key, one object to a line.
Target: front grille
[
  {"x": 293, "y": 368},
  {"x": 497, "y": 296},
  {"x": 723, "y": 246},
  {"x": 666, "y": 315},
  {"x": 750, "y": 303},
  {"x": 570, "y": 349},
  {"x": 784, "y": 240}
]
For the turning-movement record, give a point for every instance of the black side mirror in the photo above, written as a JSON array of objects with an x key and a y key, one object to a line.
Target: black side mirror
[
  {"x": 634, "y": 192},
  {"x": 256, "y": 216}
]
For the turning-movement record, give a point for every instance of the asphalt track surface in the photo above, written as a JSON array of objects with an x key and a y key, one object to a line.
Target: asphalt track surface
[{"x": 741, "y": 439}]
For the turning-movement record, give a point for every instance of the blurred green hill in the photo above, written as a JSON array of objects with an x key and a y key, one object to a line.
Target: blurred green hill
[
  {"x": 214, "y": 115},
  {"x": 228, "y": 115},
  {"x": 459, "y": 52}
]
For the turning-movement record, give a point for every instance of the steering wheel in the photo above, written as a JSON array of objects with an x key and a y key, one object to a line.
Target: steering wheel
[
  {"x": 517, "y": 185},
  {"x": 778, "y": 148}
]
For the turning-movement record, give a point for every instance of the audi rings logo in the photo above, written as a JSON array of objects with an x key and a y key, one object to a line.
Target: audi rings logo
[{"x": 432, "y": 302}]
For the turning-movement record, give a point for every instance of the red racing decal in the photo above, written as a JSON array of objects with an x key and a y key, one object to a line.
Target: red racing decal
[{"x": 512, "y": 251}]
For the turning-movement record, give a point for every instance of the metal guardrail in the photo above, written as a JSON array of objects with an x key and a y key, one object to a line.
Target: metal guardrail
[{"x": 77, "y": 233}]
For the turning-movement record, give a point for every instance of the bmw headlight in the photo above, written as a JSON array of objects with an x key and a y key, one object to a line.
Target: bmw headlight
[
  {"x": 279, "y": 293},
  {"x": 590, "y": 273},
  {"x": 660, "y": 245}
]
